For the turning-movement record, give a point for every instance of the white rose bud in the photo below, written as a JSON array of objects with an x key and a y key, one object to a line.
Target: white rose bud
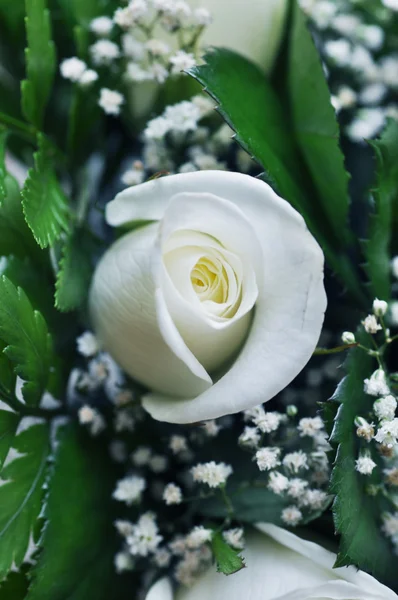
[
  {"x": 379, "y": 307},
  {"x": 348, "y": 337},
  {"x": 280, "y": 566},
  {"x": 218, "y": 303}
]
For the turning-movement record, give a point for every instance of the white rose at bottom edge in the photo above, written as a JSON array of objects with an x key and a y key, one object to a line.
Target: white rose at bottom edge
[
  {"x": 280, "y": 566},
  {"x": 218, "y": 303}
]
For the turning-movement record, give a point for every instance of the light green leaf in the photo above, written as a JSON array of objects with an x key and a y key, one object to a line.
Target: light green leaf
[
  {"x": 74, "y": 273},
  {"x": 316, "y": 127},
  {"x": 80, "y": 567},
  {"x": 377, "y": 247},
  {"x": 228, "y": 560},
  {"x": 15, "y": 236},
  {"x": 40, "y": 62},
  {"x": 357, "y": 514},
  {"x": 44, "y": 203},
  {"x": 8, "y": 426},
  {"x": 21, "y": 497},
  {"x": 29, "y": 344}
]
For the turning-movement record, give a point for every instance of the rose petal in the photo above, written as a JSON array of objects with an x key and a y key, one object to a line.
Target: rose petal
[{"x": 161, "y": 590}]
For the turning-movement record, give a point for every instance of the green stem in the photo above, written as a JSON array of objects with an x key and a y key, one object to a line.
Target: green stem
[
  {"x": 227, "y": 502},
  {"x": 27, "y": 131},
  {"x": 30, "y": 411},
  {"x": 336, "y": 350}
]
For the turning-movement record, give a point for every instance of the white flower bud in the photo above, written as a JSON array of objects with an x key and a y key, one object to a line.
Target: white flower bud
[
  {"x": 348, "y": 337},
  {"x": 379, "y": 307}
]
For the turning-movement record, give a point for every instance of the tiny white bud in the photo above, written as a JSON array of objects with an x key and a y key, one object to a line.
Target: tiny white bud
[
  {"x": 348, "y": 337},
  {"x": 379, "y": 307}
]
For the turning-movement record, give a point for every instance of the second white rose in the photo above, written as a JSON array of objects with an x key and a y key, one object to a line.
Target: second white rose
[{"x": 217, "y": 303}]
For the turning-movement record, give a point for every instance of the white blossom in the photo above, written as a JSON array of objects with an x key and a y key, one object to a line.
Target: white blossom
[
  {"x": 385, "y": 408},
  {"x": 178, "y": 443},
  {"x": 211, "y": 428},
  {"x": 183, "y": 116},
  {"x": 89, "y": 77},
  {"x": 393, "y": 315},
  {"x": 348, "y": 337},
  {"x": 344, "y": 98},
  {"x": 379, "y": 307},
  {"x": 377, "y": 385},
  {"x": 199, "y": 536},
  {"x": 393, "y": 4},
  {"x": 366, "y": 124},
  {"x": 394, "y": 266},
  {"x": 267, "y": 421},
  {"x": 204, "y": 104},
  {"x": 158, "y": 72},
  {"x": 103, "y": 52},
  {"x": 346, "y": 24},
  {"x": 365, "y": 465},
  {"x": 158, "y": 463},
  {"x": 390, "y": 524},
  {"x": 124, "y": 421},
  {"x": 124, "y": 528},
  {"x": 144, "y": 538},
  {"x": 157, "y": 128},
  {"x": 172, "y": 494},
  {"x": 339, "y": 51},
  {"x": 72, "y": 68},
  {"x": 387, "y": 434},
  {"x": 202, "y": 17},
  {"x": 136, "y": 73},
  {"x": 135, "y": 175},
  {"x": 371, "y": 324},
  {"x": 157, "y": 47},
  {"x": 291, "y": 515},
  {"x": 129, "y": 489},
  {"x": 268, "y": 458},
  {"x": 87, "y": 344},
  {"x": 297, "y": 487},
  {"x": 101, "y": 26},
  {"x": 123, "y": 562},
  {"x": 294, "y": 461},
  {"x": 310, "y": 426},
  {"x": 133, "y": 48},
  {"x": 389, "y": 69},
  {"x": 92, "y": 418},
  {"x": 213, "y": 474},
  {"x": 182, "y": 61},
  {"x": 364, "y": 429},
  {"x": 250, "y": 437},
  {"x": 110, "y": 101},
  {"x": 141, "y": 456},
  {"x": 372, "y": 36},
  {"x": 278, "y": 483},
  {"x": 314, "y": 499},
  {"x": 162, "y": 558},
  {"x": 235, "y": 538}
]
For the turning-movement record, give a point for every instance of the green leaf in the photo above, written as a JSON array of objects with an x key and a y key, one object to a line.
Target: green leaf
[
  {"x": 74, "y": 273},
  {"x": 251, "y": 504},
  {"x": 255, "y": 113},
  {"x": 80, "y": 567},
  {"x": 77, "y": 11},
  {"x": 15, "y": 587},
  {"x": 15, "y": 236},
  {"x": 377, "y": 247},
  {"x": 29, "y": 345},
  {"x": 44, "y": 203},
  {"x": 8, "y": 426},
  {"x": 228, "y": 560},
  {"x": 21, "y": 497},
  {"x": 316, "y": 127},
  {"x": 40, "y": 62},
  {"x": 357, "y": 514}
]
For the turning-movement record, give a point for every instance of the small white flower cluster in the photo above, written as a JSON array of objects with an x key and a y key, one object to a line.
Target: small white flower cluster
[
  {"x": 141, "y": 539},
  {"x": 178, "y": 141},
  {"x": 390, "y": 527},
  {"x": 358, "y": 43},
  {"x": 211, "y": 473},
  {"x": 77, "y": 71},
  {"x": 129, "y": 489}
]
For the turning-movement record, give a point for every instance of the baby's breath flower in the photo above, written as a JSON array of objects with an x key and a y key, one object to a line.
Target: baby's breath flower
[
  {"x": 178, "y": 443},
  {"x": 157, "y": 47},
  {"x": 199, "y": 536},
  {"x": 211, "y": 428},
  {"x": 297, "y": 487},
  {"x": 133, "y": 48},
  {"x": 388, "y": 433},
  {"x": 110, "y": 101},
  {"x": 202, "y": 16},
  {"x": 182, "y": 61},
  {"x": 235, "y": 538},
  {"x": 124, "y": 420},
  {"x": 172, "y": 494},
  {"x": 72, "y": 68},
  {"x": 278, "y": 483},
  {"x": 294, "y": 461},
  {"x": 158, "y": 463},
  {"x": 310, "y": 426},
  {"x": 123, "y": 562},
  {"x": 101, "y": 26},
  {"x": 377, "y": 385},
  {"x": 371, "y": 325},
  {"x": 292, "y": 516},
  {"x": 144, "y": 538},
  {"x": 250, "y": 437},
  {"x": 390, "y": 524},
  {"x": 385, "y": 408},
  {"x": 364, "y": 429},
  {"x": 348, "y": 337},
  {"x": 141, "y": 456},
  {"x": 365, "y": 465},
  {"x": 162, "y": 558},
  {"x": 379, "y": 307},
  {"x": 129, "y": 489},
  {"x": 89, "y": 77},
  {"x": 157, "y": 128},
  {"x": 87, "y": 344},
  {"x": 267, "y": 421},
  {"x": 103, "y": 52},
  {"x": 213, "y": 474},
  {"x": 135, "y": 175},
  {"x": 314, "y": 499},
  {"x": 92, "y": 418},
  {"x": 268, "y": 458}
]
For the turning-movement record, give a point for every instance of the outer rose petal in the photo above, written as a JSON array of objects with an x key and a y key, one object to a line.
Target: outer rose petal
[
  {"x": 291, "y": 303},
  {"x": 161, "y": 590}
]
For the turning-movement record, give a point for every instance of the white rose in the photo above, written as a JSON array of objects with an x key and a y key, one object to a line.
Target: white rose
[
  {"x": 218, "y": 303},
  {"x": 281, "y": 566},
  {"x": 251, "y": 27}
]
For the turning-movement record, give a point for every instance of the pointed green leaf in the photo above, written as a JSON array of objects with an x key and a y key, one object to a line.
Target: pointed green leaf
[
  {"x": 228, "y": 560},
  {"x": 357, "y": 514},
  {"x": 74, "y": 273},
  {"x": 316, "y": 126},
  {"x": 377, "y": 247},
  {"x": 40, "y": 62},
  {"x": 21, "y": 497},
  {"x": 15, "y": 236},
  {"x": 80, "y": 567},
  {"x": 8, "y": 426},
  {"x": 29, "y": 344},
  {"x": 44, "y": 203}
]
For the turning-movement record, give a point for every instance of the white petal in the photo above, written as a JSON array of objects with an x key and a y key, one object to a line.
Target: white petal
[
  {"x": 132, "y": 322},
  {"x": 291, "y": 304},
  {"x": 161, "y": 590}
]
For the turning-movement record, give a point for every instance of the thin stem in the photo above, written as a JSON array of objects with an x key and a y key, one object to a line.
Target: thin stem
[
  {"x": 336, "y": 350},
  {"x": 227, "y": 502},
  {"x": 19, "y": 127},
  {"x": 30, "y": 411}
]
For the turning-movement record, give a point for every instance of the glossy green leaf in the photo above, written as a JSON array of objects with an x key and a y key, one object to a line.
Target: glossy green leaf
[
  {"x": 21, "y": 497},
  {"x": 79, "y": 512},
  {"x": 8, "y": 426},
  {"x": 227, "y": 559},
  {"x": 40, "y": 62},
  {"x": 44, "y": 203},
  {"x": 357, "y": 514},
  {"x": 74, "y": 275},
  {"x": 377, "y": 247},
  {"x": 29, "y": 344},
  {"x": 316, "y": 127}
]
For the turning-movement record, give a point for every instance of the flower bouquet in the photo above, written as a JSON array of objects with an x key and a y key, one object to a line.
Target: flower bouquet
[{"x": 198, "y": 299}]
